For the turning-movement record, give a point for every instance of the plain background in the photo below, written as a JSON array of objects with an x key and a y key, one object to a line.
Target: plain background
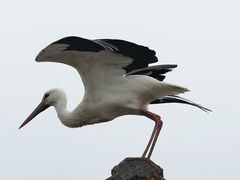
[{"x": 202, "y": 37}]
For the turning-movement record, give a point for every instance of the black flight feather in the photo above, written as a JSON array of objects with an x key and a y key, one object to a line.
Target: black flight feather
[{"x": 178, "y": 99}]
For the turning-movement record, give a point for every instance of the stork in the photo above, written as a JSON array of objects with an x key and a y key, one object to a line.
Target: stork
[{"x": 117, "y": 79}]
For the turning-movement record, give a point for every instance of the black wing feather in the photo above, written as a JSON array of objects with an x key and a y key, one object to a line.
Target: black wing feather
[
  {"x": 79, "y": 44},
  {"x": 156, "y": 72},
  {"x": 178, "y": 99},
  {"x": 142, "y": 56}
]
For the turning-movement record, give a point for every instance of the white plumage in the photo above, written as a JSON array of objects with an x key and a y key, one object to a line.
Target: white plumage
[{"x": 117, "y": 82}]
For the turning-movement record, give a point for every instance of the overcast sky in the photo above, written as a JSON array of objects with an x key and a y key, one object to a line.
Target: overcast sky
[{"x": 202, "y": 37}]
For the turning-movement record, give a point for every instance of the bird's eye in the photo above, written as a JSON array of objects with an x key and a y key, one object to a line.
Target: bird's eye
[{"x": 46, "y": 95}]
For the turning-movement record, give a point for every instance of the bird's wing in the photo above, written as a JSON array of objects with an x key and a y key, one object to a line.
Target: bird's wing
[{"x": 102, "y": 60}]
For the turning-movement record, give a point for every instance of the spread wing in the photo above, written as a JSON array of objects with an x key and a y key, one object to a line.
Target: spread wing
[{"x": 102, "y": 61}]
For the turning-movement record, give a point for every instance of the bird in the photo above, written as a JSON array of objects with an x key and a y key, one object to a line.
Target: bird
[{"x": 118, "y": 80}]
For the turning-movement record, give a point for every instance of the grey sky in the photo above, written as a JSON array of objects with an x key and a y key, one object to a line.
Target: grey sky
[{"x": 202, "y": 37}]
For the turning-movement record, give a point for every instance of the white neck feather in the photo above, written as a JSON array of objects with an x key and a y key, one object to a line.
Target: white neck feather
[{"x": 61, "y": 108}]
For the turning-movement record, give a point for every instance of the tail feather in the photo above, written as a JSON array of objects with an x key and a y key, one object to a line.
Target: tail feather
[
  {"x": 168, "y": 89},
  {"x": 177, "y": 99}
]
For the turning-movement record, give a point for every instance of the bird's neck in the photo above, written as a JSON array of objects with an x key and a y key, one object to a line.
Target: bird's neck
[{"x": 61, "y": 109}]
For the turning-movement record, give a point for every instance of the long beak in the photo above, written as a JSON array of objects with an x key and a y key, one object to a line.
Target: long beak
[{"x": 40, "y": 108}]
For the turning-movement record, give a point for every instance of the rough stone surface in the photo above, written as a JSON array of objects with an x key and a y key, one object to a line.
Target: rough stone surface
[{"x": 137, "y": 169}]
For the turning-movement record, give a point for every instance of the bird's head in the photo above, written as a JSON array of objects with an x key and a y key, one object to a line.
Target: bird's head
[{"x": 50, "y": 98}]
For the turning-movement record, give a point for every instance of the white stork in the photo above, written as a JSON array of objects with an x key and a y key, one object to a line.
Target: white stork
[{"x": 117, "y": 81}]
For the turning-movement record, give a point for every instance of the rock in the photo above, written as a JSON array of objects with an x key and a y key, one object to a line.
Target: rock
[{"x": 136, "y": 169}]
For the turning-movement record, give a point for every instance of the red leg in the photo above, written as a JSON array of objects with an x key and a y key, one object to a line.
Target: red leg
[
  {"x": 150, "y": 141},
  {"x": 157, "y": 128}
]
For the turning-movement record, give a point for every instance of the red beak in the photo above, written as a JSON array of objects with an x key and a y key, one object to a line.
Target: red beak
[{"x": 40, "y": 108}]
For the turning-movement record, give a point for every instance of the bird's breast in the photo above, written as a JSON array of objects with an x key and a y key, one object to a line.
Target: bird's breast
[{"x": 98, "y": 112}]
